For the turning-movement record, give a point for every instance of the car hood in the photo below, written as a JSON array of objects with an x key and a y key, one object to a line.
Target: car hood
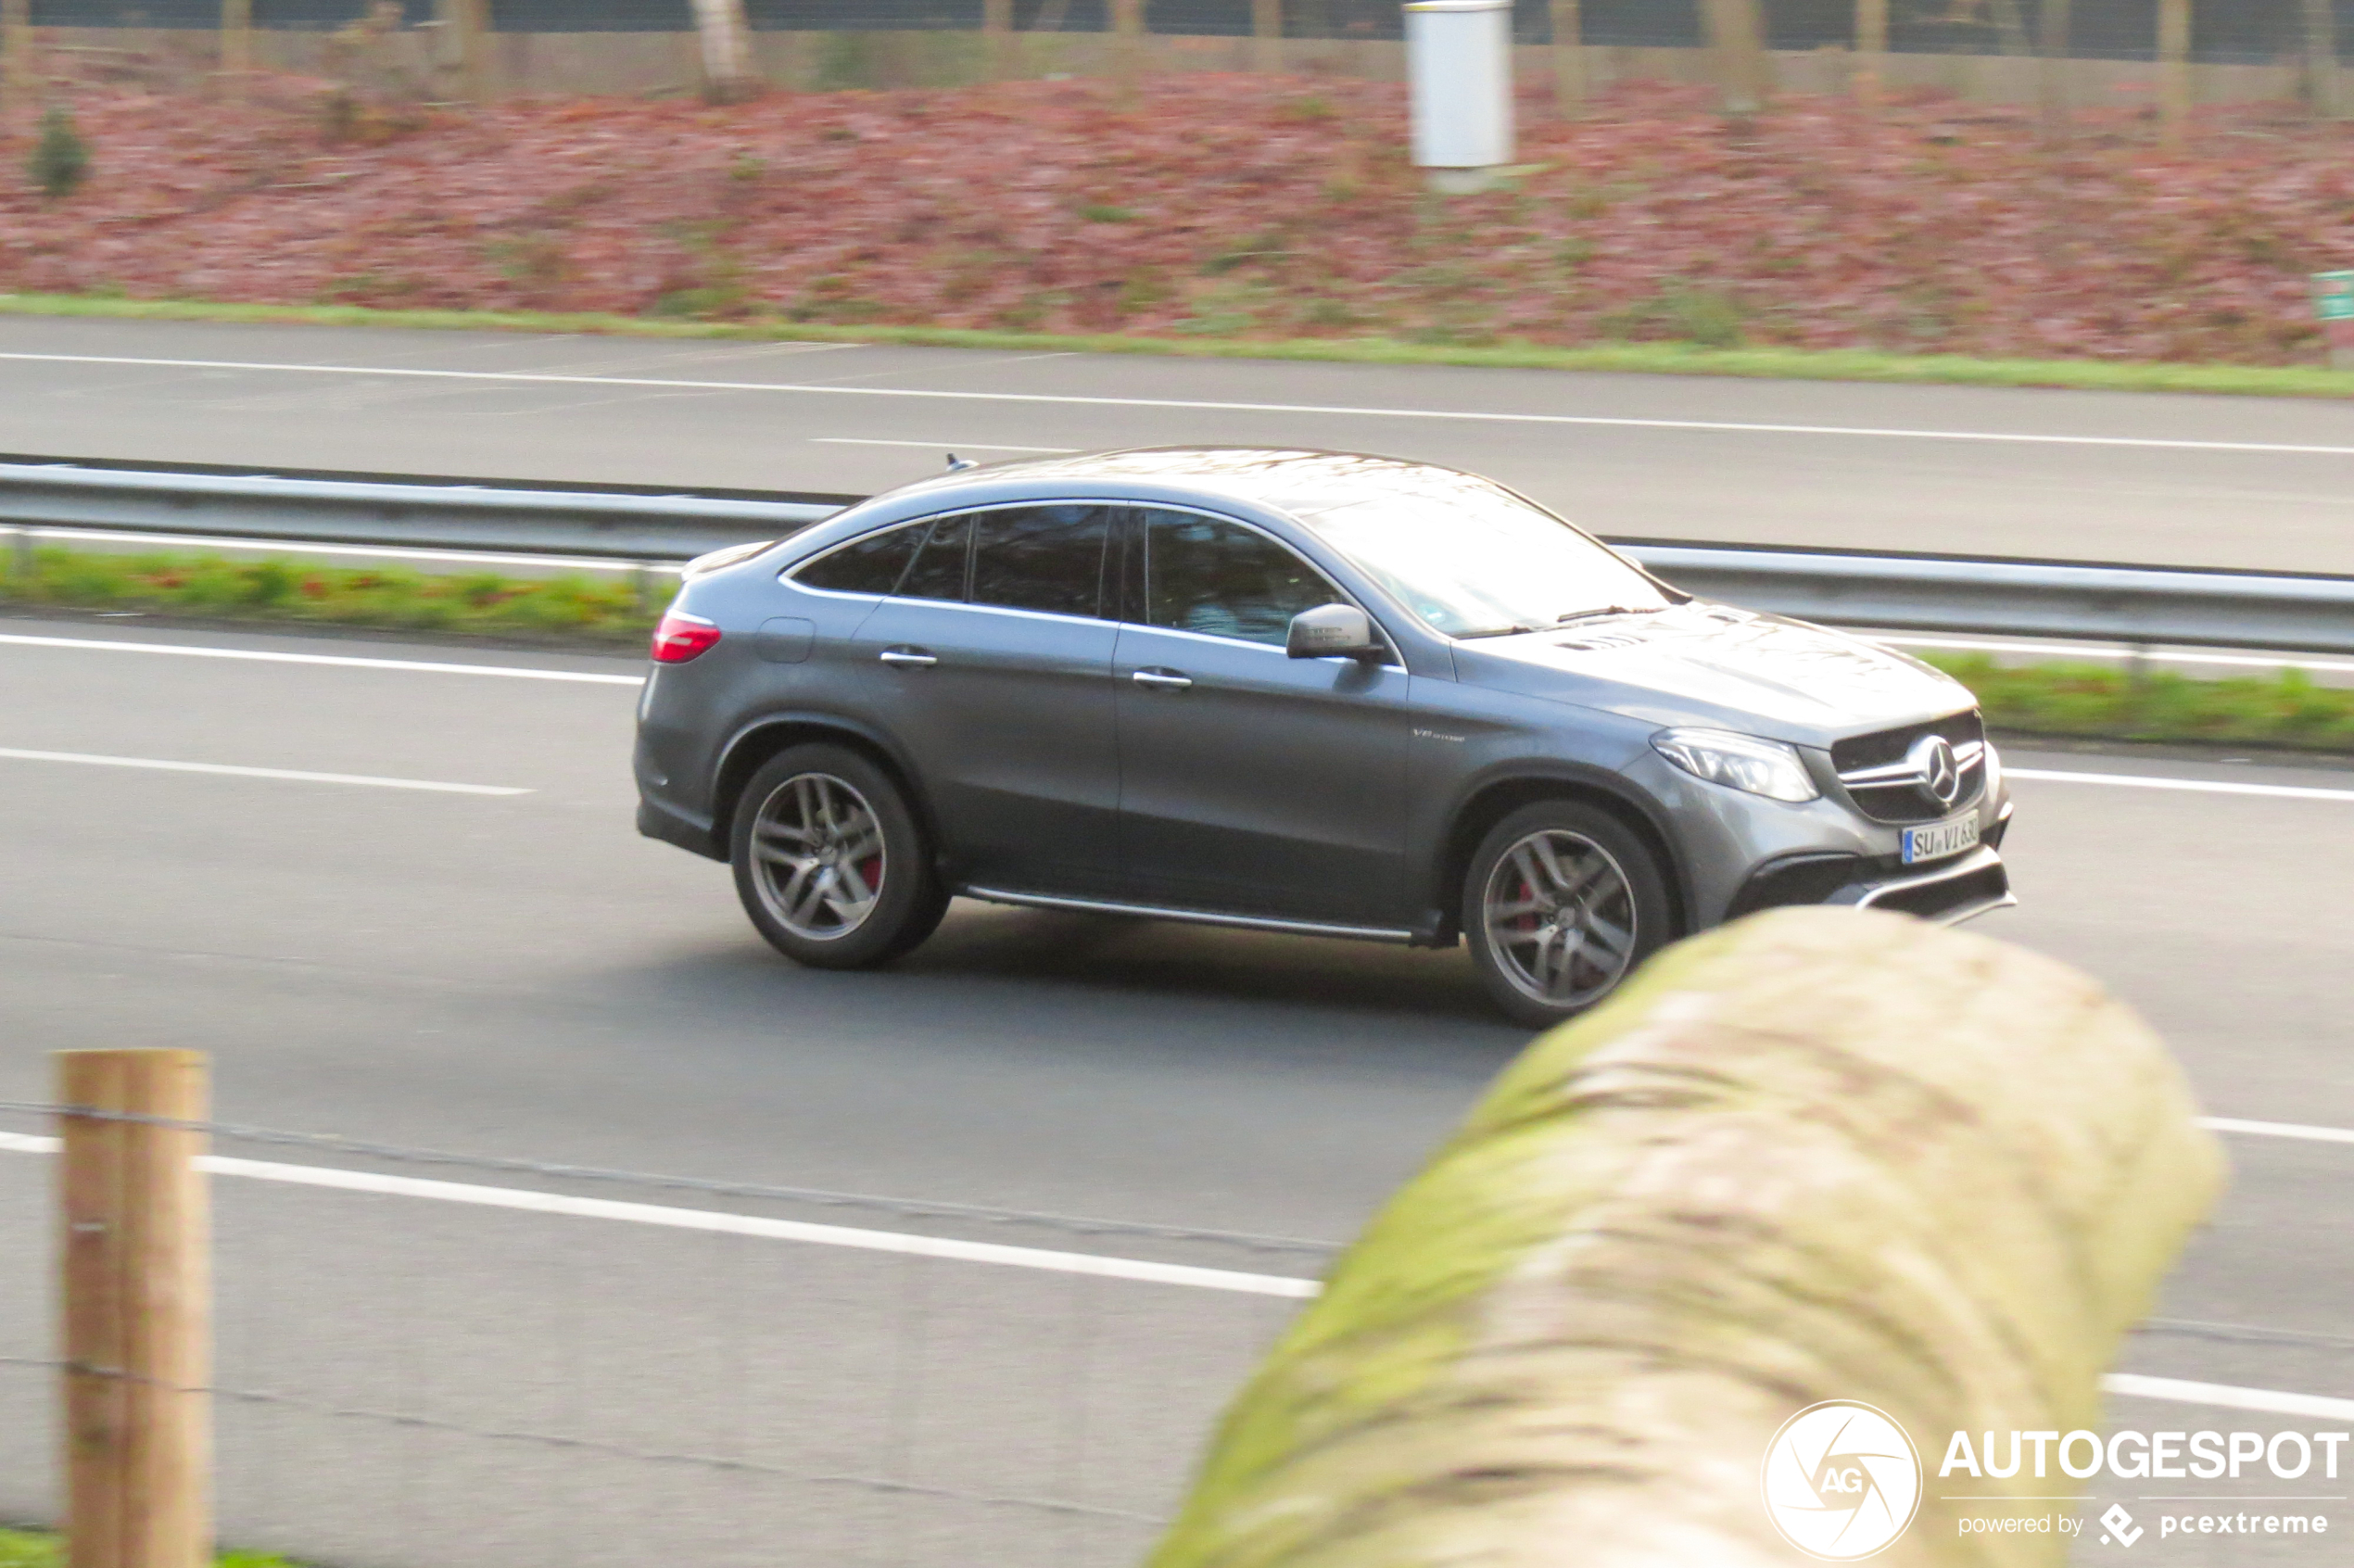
[{"x": 1712, "y": 664}]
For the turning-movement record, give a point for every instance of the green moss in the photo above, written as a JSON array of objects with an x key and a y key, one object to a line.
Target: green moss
[
  {"x": 1217, "y": 339},
  {"x": 30, "y": 1549}
]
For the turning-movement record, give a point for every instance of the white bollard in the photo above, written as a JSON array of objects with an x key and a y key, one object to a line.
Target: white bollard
[{"x": 1459, "y": 59}]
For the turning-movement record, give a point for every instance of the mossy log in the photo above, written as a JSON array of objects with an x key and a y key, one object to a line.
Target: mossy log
[{"x": 1816, "y": 1155}]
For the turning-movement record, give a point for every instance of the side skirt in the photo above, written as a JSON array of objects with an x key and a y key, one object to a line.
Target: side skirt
[{"x": 1192, "y": 917}]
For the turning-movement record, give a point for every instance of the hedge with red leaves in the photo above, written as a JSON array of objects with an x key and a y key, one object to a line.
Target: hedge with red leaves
[{"x": 1238, "y": 206}]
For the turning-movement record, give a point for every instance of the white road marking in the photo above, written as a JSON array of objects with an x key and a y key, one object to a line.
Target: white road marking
[
  {"x": 306, "y": 547},
  {"x": 1206, "y": 405},
  {"x": 2077, "y": 650},
  {"x": 732, "y": 1224},
  {"x": 2222, "y": 1393},
  {"x": 190, "y": 652},
  {"x": 2202, "y": 785},
  {"x": 906, "y": 1245},
  {"x": 936, "y": 446},
  {"x": 2277, "y": 1129},
  {"x": 290, "y": 774}
]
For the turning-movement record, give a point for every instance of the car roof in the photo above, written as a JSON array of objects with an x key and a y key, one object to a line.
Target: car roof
[{"x": 1292, "y": 479}]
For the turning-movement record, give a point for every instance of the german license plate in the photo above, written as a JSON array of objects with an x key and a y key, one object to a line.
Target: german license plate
[{"x": 1941, "y": 838}]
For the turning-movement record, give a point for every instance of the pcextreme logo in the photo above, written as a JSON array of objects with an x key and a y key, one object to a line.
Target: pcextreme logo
[{"x": 1841, "y": 1481}]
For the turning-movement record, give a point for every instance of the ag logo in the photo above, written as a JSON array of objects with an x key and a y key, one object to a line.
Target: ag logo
[{"x": 1841, "y": 1481}]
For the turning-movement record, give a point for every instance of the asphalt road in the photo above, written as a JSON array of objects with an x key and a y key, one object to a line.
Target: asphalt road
[
  {"x": 520, "y": 974},
  {"x": 2169, "y": 480}
]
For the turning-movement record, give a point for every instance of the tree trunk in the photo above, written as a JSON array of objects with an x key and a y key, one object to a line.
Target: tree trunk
[
  {"x": 727, "y": 75},
  {"x": 1736, "y": 44},
  {"x": 1820, "y": 1154},
  {"x": 1569, "y": 60},
  {"x": 2053, "y": 47},
  {"x": 2321, "y": 59}
]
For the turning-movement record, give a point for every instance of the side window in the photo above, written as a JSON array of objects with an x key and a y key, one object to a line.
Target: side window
[
  {"x": 867, "y": 565},
  {"x": 939, "y": 570},
  {"x": 1202, "y": 574},
  {"x": 1046, "y": 558}
]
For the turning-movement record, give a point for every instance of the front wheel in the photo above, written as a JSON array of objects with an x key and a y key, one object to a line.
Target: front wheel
[
  {"x": 1560, "y": 904},
  {"x": 831, "y": 861}
]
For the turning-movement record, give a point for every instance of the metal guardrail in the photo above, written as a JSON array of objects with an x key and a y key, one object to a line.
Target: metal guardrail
[
  {"x": 1927, "y": 593},
  {"x": 2087, "y": 600},
  {"x": 422, "y": 515}
]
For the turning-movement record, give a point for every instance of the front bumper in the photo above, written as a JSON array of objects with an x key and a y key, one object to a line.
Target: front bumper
[{"x": 1948, "y": 892}]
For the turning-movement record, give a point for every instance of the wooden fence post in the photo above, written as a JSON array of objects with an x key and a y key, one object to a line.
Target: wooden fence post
[
  {"x": 135, "y": 1319},
  {"x": 1267, "y": 35},
  {"x": 2321, "y": 59},
  {"x": 1871, "y": 51},
  {"x": 2054, "y": 45},
  {"x": 1569, "y": 60},
  {"x": 236, "y": 48},
  {"x": 2174, "y": 69}
]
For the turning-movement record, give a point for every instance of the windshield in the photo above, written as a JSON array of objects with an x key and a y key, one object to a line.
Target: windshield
[{"x": 1474, "y": 560}]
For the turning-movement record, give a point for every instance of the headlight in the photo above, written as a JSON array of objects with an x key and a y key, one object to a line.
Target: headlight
[{"x": 1739, "y": 762}]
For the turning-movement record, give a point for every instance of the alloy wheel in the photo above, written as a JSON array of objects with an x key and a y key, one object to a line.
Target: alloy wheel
[
  {"x": 1560, "y": 917},
  {"x": 818, "y": 856}
]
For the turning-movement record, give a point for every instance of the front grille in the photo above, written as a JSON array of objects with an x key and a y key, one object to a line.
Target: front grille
[{"x": 1874, "y": 769}]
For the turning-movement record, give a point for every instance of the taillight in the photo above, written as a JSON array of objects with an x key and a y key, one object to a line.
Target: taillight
[{"x": 681, "y": 637}]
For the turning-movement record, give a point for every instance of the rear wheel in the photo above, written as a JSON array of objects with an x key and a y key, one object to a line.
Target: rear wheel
[
  {"x": 831, "y": 861},
  {"x": 1560, "y": 904}
]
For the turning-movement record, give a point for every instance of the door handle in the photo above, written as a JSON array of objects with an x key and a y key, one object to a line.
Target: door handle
[
  {"x": 904, "y": 659},
  {"x": 1161, "y": 680}
]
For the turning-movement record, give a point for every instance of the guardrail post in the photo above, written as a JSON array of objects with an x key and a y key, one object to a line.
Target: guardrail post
[
  {"x": 21, "y": 566},
  {"x": 136, "y": 1310}
]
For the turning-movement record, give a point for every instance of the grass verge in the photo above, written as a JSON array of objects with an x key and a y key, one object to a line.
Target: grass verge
[
  {"x": 601, "y": 613},
  {"x": 38, "y": 1549},
  {"x": 1652, "y": 359},
  {"x": 2286, "y": 710}
]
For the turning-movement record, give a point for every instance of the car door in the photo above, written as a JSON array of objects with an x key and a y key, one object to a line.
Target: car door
[
  {"x": 990, "y": 666},
  {"x": 1250, "y": 781}
]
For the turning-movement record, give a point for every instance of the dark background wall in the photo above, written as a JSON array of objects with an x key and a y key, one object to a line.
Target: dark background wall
[{"x": 2232, "y": 30}]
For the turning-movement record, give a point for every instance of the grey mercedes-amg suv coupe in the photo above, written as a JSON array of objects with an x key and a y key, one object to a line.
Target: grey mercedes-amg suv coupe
[{"x": 1293, "y": 690}]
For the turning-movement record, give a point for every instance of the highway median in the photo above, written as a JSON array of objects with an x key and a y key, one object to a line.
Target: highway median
[{"x": 608, "y": 612}]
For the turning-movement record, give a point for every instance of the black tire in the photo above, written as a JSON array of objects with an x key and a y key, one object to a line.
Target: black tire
[
  {"x": 835, "y": 827},
  {"x": 1598, "y": 906}
]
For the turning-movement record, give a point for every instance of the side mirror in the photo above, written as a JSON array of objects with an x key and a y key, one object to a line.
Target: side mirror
[{"x": 1334, "y": 629}]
